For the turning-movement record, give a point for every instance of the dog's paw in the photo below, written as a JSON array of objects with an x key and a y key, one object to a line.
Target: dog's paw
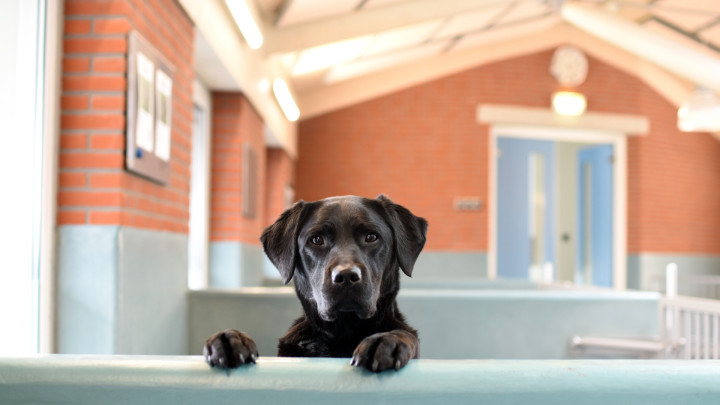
[
  {"x": 230, "y": 349},
  {"x": 384, "y": 351}
]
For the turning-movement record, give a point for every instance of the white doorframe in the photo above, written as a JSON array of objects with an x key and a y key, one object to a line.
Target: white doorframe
[
  {"x": 199, "y": 224},
  {"x": 619, "y": 142},
  {"x": 54, "y": 17},
  {"x": 30, "y": 116}
]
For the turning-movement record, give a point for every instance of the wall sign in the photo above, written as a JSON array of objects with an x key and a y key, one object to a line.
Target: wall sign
[
  {"x": 149, "y": 111},
  {"x": 249, "y": 181}
]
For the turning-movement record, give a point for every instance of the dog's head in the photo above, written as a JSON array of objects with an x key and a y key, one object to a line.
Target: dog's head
[{"x": 344, "y": 252}]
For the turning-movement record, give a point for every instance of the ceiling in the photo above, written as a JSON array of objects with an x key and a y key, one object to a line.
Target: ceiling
[
  {"x": 371, "y": 35},
  {"x": 336, "y": 53}
]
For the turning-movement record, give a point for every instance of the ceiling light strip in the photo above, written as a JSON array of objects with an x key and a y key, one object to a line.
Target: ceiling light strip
[
  {"x": 285, "y": 99},
  {"x": 245, "y": 21}
]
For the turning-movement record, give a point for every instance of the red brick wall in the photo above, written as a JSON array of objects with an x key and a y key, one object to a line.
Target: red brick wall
[
  {"x": 674, "y": 187},
  {"x": 280, "y": 174},
  {"x": 423, "y": 147},
  {"x": 94, "y": 187},
  {"x": 235, "y": 122}
]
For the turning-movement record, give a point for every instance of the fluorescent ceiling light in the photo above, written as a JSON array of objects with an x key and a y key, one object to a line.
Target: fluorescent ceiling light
[
  {"x": 245, "y": 21},
  {"x": 324, "y": 56},
  {"x": 700, "y": 113},
  {"x": 569, "y": 103},
  {"x": 285, "y": 99}
]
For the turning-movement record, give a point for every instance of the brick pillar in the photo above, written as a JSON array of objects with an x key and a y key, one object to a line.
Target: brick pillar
[
  {"x": 236, "y": 257},
  {"x": 94, "y": 187},
  {"x": 121, "y": 238}
]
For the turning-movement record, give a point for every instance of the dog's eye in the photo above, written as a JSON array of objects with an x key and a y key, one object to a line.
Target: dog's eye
[
  {"x": 371, "y": 237},
  {"x": 317, "y": 240}
]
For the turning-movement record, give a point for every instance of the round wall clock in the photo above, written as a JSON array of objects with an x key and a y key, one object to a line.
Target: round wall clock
[{"x": 569, "y": 65}]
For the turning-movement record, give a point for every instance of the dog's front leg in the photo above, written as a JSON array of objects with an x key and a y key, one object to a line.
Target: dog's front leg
[
  {"x": 386, "y": 350},
  {"x": 230, "y": 349}
]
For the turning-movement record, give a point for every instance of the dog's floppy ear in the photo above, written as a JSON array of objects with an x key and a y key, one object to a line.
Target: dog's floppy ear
[
  {"x": 279, "y": 240},
  {"x": 409, "y": 231}
]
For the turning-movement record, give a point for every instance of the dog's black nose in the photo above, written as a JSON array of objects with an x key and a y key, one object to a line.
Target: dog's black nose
[{"x": 346, "y": 275}]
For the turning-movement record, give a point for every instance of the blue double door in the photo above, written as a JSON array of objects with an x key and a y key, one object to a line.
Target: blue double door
[{"x": 527, "y": 211}]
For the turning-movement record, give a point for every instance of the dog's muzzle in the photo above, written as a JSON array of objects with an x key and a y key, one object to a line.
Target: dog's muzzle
[{"x": 345, "y": 291}]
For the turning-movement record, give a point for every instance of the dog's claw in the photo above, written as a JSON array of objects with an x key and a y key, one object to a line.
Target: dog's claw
[
  {"x": 375, "y": 365},
  {"x": 254, "y": 357},
  {"x": 241, "y": 358},
  {"x": 397, "y": 365}
]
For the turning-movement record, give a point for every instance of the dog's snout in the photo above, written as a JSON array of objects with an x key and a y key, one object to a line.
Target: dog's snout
[{"x": 346, "y": 275}]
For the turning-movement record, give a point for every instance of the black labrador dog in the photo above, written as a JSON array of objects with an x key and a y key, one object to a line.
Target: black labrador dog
[{"x": 343, "y": 254}]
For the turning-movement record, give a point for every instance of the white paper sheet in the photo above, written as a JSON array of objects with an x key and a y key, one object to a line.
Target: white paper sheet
[
  {"x": 145, "y": 97},
  {"x": 163, "y": 115}
]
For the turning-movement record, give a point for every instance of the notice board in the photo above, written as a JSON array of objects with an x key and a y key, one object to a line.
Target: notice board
[{"x": 149, "y": 111}]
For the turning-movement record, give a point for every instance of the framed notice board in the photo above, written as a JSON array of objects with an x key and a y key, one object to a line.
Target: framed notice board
[{"x": 149, "y": 110}]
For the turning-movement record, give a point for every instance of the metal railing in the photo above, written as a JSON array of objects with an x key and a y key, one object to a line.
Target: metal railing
[{"x": 689, "y": 328}]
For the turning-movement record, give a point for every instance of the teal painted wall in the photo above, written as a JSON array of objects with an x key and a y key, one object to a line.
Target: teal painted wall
[
  {"x": 450, "y": 265},
  {"x": 236, "y": 264},
  {"x": 152, "y": 292},
  {"x": 86, "y": 289},
  {"x": 453, "y": 324},
  {"x": 121, "y": 291}
]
